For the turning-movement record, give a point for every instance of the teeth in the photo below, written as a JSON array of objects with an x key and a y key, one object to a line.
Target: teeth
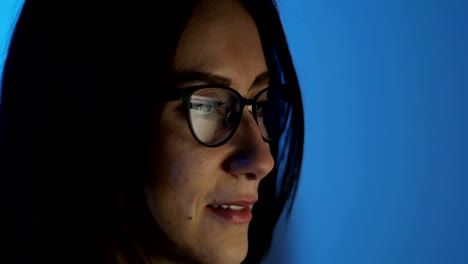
[
  {"x": 236, "y": 207},
  {"x": 230, "y": 207}
]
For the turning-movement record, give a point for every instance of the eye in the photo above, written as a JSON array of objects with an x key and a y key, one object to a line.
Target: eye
[
  {"x": 205, "y": 106},
  {"x": 261, "y": 107}
]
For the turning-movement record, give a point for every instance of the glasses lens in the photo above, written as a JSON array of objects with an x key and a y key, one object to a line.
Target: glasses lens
[
  {"x": 272, "y": 112},
  {"x": 213, "y": 114}
]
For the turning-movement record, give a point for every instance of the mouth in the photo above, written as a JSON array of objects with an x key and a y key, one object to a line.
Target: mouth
[{"x": 236, "y": 212}]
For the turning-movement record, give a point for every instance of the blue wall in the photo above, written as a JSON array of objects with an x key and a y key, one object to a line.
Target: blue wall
[
  {"x": 385, "y": 176},
  {"x": 9, "y": 10}
]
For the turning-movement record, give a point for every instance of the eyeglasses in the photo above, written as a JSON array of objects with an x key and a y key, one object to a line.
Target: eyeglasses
[{"x": 215, "y": 111}]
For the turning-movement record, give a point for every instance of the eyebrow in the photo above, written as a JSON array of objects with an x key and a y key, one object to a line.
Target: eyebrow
[
  {"x": 262, "y": 78},
  {"x": 195, "y": 76}
]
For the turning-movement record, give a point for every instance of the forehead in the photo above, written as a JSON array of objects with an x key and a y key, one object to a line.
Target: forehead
[{"x": 221, "y": 38}]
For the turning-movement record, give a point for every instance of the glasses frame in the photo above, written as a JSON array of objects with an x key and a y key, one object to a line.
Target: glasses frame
[{"x": 185, "y": 93}]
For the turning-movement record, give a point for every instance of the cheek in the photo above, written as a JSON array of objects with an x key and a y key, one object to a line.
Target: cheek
[
  {"x": 175, "y": 188},
  {"x": 180, "y": 178},
  {"x": 181, "y": 164},
  {"x": 177, "y": 199},
  {"x": 186, "y": 177},
  {"x": 173, "y": 199},
  {"x": 172, "y": 168}
]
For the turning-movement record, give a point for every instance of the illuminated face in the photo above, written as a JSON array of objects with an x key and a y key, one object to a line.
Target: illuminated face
[{"x": 202, "y": 197}]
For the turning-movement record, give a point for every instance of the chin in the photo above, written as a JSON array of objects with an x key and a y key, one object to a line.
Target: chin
[
  {"x": 235, "y": 252},
  {"x": 225, "y": 255},
  {"x": 233, "y": 257}
]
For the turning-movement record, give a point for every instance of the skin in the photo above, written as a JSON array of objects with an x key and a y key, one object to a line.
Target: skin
[{"x": 221, "y": 38}]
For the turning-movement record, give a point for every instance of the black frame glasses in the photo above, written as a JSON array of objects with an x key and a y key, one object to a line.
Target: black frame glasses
[{"x": 233, "y": 118}]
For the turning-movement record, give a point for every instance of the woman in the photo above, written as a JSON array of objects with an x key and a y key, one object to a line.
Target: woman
[{"x": 148, "y": 138}]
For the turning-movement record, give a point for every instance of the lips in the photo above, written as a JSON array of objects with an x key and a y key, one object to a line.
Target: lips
[{"x": 236, "y": 212}]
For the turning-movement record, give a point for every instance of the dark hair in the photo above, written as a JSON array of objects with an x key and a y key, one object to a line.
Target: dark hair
[{"x": 77, "y": 119}]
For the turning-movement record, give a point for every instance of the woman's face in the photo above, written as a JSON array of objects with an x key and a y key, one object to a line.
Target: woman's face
[{"x": 192, "y": 182}]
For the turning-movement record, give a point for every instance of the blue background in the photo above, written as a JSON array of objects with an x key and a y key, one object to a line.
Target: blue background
[{"x": 385, "y": 86}]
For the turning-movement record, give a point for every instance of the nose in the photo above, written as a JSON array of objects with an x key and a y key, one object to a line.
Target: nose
[{"x": 252, "y": 157}]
